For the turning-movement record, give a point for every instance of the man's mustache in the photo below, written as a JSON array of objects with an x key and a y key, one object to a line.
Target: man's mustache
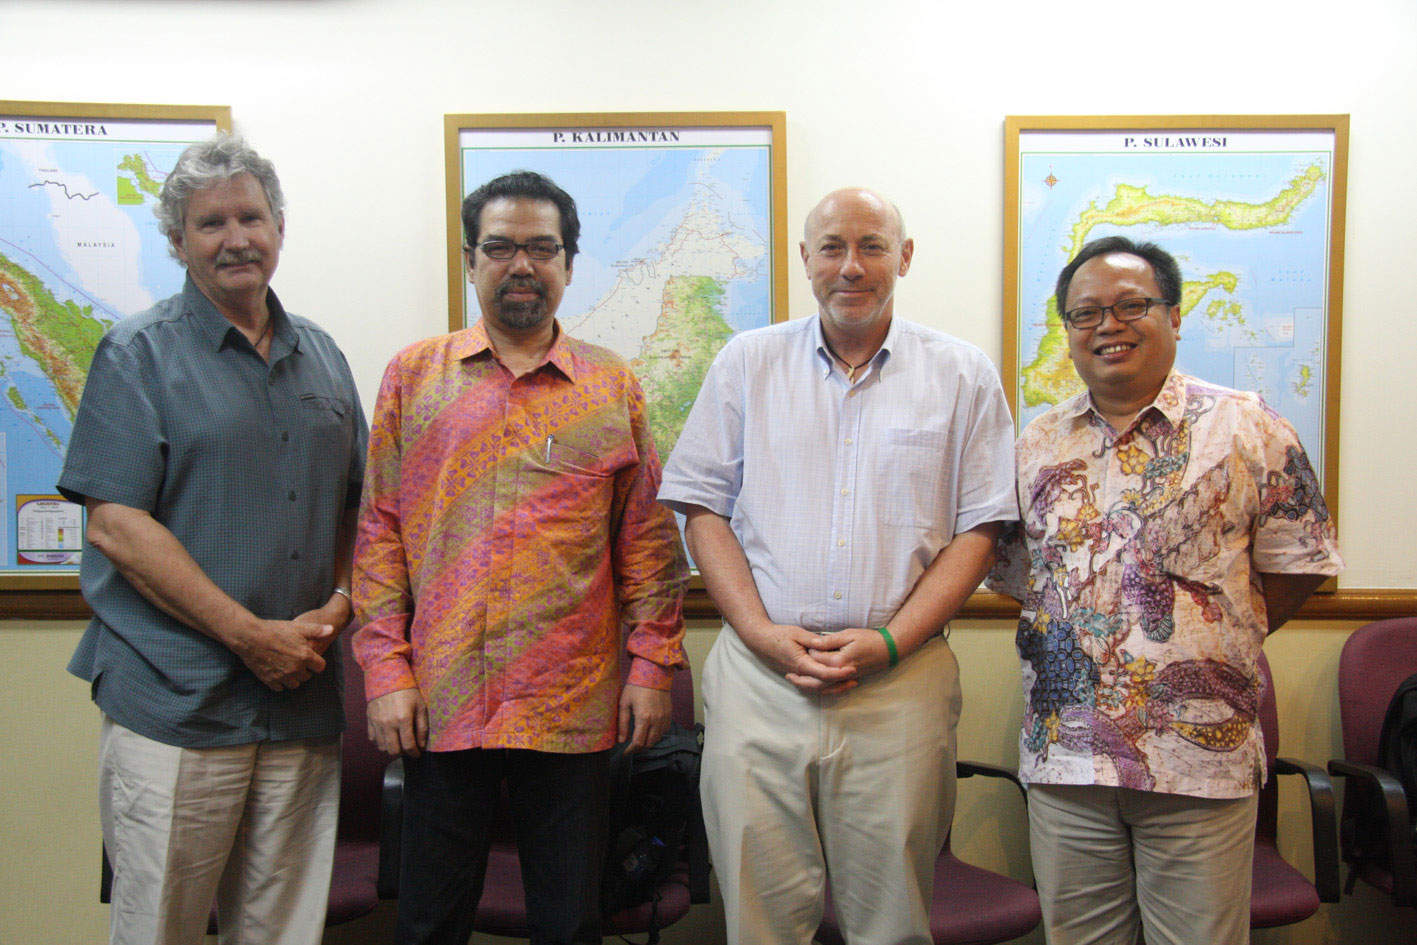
[
  {"x": 239, "y": 257},
  {"x": 521, "y": 283}
]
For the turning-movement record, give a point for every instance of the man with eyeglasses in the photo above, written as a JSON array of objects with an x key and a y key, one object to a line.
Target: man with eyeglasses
[
  {"x": 1167, "y": 526},
  {"x": 508, "y": 530},
  {"x": 844, "y": 478}
]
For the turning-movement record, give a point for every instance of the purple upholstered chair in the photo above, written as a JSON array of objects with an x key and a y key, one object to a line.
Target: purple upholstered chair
[
  {"x": 353, "y": 891},
  {"x": 1377, "y": 834},
  {"x": 972, "y": 906},
  {"x": 1280, "y": 894},
  {"x": 502, "y": 909}
]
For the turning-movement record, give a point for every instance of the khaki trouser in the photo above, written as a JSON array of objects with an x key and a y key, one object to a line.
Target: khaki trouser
[
  {"x": 251, "y": 826},
  {"x": 857, "y": 789},
  {"x": 1106, "y": 859}
]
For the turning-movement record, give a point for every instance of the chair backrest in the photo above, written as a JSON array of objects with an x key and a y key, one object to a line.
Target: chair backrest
[
  {"x": 1269, "y": 715},
  {"x": 1375, "y": 659},
  {"x": 681, "y": 693},
  {"x": 362, "y": 764},
  {"x": 1267, "y": 823}
]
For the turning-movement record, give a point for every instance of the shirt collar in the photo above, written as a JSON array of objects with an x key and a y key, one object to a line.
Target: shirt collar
[
  {"x": 824, "y": 356},
  {"x": 474, "y": 340},
  {"x": 1170, "y": 401},
  {"x": 217, "y": 329}
]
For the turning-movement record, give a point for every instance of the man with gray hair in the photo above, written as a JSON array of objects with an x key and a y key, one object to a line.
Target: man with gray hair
[{"x": 219, "y": 451}]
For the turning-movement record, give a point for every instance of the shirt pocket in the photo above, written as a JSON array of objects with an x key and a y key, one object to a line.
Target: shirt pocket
[
  {"x": 328, "y": 424},
  {"x": 909, "y": 475},
  {"x": 569, "y": 483}
]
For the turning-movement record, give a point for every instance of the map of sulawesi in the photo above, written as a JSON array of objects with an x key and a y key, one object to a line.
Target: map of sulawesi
[
  {"x": 675, "y": 248},
  {"x": 79, "y": 249},
  {"x": 1247, "y": 215}
]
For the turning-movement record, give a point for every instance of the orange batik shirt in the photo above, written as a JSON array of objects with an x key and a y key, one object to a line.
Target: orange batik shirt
[{"x": 508, "y": 532}]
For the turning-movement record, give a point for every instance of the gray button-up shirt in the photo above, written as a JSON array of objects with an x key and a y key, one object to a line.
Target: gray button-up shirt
[{"x": 250, "y": 465}]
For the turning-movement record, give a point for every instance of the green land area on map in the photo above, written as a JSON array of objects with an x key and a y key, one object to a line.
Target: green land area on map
[
  {"x": 1050, "y": 378},
  {"x": 676, "y": 356},
  {"x": 60, "y": 337},
  {"x": 133, "y": 191}
]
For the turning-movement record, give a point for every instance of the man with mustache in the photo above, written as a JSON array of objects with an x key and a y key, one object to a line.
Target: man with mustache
[
  {"x": 219, "y": 449},
  {"x": 1167, "y": 526},
  {"x": 509, "y": 530}
]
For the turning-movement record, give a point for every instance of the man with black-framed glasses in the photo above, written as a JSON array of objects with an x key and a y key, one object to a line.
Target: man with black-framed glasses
[
  {"x": 508, "y": 531},
  {"x": 1167, "y": 525}
]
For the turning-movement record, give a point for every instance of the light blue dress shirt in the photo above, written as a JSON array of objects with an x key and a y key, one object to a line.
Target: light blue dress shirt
[{"x": 840, "y": 493}]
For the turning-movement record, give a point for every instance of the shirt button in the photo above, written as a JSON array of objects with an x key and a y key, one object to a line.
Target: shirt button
[
  {"x": 848, "y": 441},
  {"x": 295, "y": 556},
  {"x": 841, "y": 542},
  {"x": 837, "y": 595},
  {"x": 292, "y": 495},
  {"x": 285, "y": 437},
  {"x": 846, "y": 492}
]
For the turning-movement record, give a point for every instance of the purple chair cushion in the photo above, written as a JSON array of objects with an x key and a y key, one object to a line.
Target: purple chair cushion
[
  {"x": 972, "y": 906},
  {"x": 1281, "y": 894},
  {"x": 502, "y": 909},
  {"x": 352, "y": 892}
]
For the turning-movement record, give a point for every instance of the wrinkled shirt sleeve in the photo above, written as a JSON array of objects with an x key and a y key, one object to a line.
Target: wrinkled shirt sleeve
[
  {"x": 383, "y": 597},
  {"x": 651, "y": 573}
]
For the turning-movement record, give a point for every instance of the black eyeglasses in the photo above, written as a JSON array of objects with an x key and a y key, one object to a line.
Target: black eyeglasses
[
  {"x": 1127, "y": 310},
  {"x": 503, "y": 250}
]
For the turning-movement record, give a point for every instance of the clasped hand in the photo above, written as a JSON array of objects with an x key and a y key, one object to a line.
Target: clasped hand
[
  {"x": 828, "y": 663},
  {"x": 285, "y": 653}
]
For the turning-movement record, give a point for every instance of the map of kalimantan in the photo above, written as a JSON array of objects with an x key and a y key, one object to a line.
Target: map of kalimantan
[
  {"x": 675, "y": 257},
  {"x": 79, "y": 249},
  {"x": 1251, "y": 232}
]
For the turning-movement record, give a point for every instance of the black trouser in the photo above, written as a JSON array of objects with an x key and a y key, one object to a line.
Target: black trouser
[{"x": 559, "y": 804}]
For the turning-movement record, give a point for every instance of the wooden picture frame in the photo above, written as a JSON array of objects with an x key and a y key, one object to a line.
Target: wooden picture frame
[
  {"x": 1253, "y": 207},
  {"x": 80, "y": 251},
  {"x": 649, "y": 187}
]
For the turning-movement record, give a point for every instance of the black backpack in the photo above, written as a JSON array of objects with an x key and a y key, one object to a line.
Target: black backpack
[
  {"x": 1397, "y": 745},
  {"x": 656, "y": 821}
]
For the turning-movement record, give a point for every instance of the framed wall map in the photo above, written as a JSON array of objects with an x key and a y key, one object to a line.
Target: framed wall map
[
  {"x": 683, "y": 239},
  {"x": 1252, "y": 207},
  {"x": 79, "y": 250}
]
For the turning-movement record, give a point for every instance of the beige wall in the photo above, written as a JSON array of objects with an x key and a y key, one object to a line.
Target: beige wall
[
  {"x": 49, "y": 821},
  {"x": 347, "y": 97}
]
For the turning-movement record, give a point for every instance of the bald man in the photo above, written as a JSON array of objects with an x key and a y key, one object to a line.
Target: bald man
[{"x": 844, "y": 477}]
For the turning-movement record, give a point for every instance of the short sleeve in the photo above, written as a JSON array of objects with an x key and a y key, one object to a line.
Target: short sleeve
[
  {"x": 116, "y": 449},
  {"x": 986, "y": 486},
  {"x": 706, "y": 467},
  {"x": 1294, "y": 532}
]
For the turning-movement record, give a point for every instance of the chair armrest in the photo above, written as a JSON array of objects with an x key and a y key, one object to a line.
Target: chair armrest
[
  {"x": 968, "y": 769},
  {"x": 390, "y": 831},
  {"x": 1397, "y": 827},
  {"x": 1324, "y": 823}
]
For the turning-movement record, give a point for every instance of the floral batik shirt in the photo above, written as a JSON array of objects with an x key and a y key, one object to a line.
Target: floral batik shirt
[{"x": 1137, "y": 560}]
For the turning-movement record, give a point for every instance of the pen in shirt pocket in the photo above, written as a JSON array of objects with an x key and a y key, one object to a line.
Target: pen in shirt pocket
[{"x": 548, "y": 447}]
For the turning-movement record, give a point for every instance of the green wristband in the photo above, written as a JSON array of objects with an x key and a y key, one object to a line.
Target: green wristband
[{"x": 890, "y": 645}]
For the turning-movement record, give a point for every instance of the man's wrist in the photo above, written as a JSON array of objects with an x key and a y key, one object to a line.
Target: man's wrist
[
  {"x": 344, "y": 604},
  {"x": 891, "y": 650}
]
